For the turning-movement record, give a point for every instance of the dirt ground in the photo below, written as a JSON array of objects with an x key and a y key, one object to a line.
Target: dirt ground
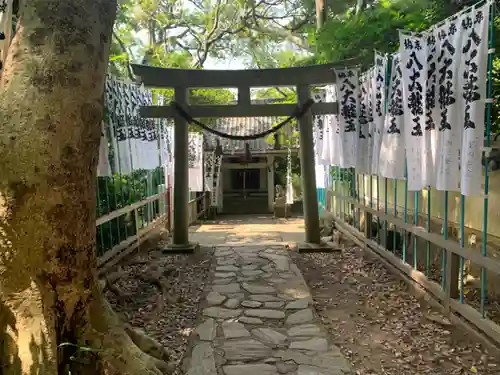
[
  {"x": 173, "y": 322},
  {"x": 380, "y": 326}
]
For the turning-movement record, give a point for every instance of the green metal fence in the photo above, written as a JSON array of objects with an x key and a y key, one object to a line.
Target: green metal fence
[
  {"x": 440, "y": 241},
  {"x": 435, "y": 238},
  {"x": 128, "y": 206}
]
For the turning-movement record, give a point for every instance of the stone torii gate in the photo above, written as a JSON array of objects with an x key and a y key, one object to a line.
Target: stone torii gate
[{"x": 181, "y": 80}]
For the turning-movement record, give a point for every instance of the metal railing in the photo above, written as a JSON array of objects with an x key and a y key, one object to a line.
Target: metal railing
[{"x": 435, "y": 239}]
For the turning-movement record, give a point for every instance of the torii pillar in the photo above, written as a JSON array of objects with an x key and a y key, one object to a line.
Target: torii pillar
[
  {"x": 180, "y": 235},
  {"x": 307, "y": 168}
]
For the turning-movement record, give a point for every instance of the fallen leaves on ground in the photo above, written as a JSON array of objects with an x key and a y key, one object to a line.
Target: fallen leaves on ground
[
  {"x": 380, "y": 326},
  {"x": 173, "y": 325}
]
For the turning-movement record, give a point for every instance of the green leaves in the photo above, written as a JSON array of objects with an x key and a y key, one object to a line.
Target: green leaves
[
  {"x": 203, "y": 28},
  {"x": 346, "y": 36},
  {"x": 120, "y": 57}
]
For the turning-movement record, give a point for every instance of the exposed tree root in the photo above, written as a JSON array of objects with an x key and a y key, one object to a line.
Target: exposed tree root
[
  {"x": 146, "y": 343},
  {"x": 104, "y": 346},
  {"x": 137, "y": 344},
  {"x": 155, "y": 276},
  {"x": 109, "y": 283},
  {"x": 126, "y": 350}
]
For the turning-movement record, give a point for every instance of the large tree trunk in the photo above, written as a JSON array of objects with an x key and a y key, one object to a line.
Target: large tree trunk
[{"x": 53, "y": 318}]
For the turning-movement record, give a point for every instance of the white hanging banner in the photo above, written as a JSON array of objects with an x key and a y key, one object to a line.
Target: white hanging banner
[
  {"x": 413, "y": 53},
  {"x": 318, "y": 138},
  {"x": 148, "y": 151},
  {"x": 363, "y": 162},
  {"x": 166, "y": 141},
  {"x": 348, "y": 97},
  {"x": 332, "y": 123},
  {"x": 195, "y": 161},
  {"x": 116, "y": 117},
  {"x": 369, "y": 116},
  {"x": 209, "y": 157},
  {"x": 134, "y": 138},
  {"x": 431, "y": 133},
  {"x": 5, "y": 29},
  {"x": 103, "y": 166},
  {"x": 325, "y": 157},
  {"x": 133, "y": 124},
  {"x": 472, "y": 84},
  {"x": 392, "y": 149},
  {"x": 320, "y": 176},
  {"x": 319, "y": 126},
  {"x": 215, "y": 196},
  {"x": 170, "y": 145},
  {"x": 378, "y": 104},
  {"x": 289, "y": 186},
  {"x": 322, "y": 140},
  {"x": 449, "y": 44}
]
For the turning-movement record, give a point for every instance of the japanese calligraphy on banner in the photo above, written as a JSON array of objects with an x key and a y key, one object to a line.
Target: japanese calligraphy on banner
[
  {"x": 195, "y": 161},
  {"x": 392, "y": 149},
  {"x": 431, "y": 132},
  {"x": 431, "y": 127},
  {"x": 209, "y": 157},
  {"x": 134, "y": 139},
  {"x": 378, "y": 105},
  {"x": 348, "y": 98},
  {"x": 166, "y": 134},
  {"x": 216, "y": 190},
  {"x": 319, "y": 130},
  {"x": 289, "y": 185},
  {"x": 332, "y": 124},
  {"x": 167, "y": 148},
  {"x": 472, "y": 81},
  {"x": 413, "y": 53},
  {"x": 325, "y": 157},
  {"x": 369, "y": 114},
  {"x": 116, "y": 103},
  {"x": 147, "y": 145},
  {"x": 365, "y": 141},
  {"x": 319, "y": 124},
  {"x": 449, "y": 42}
]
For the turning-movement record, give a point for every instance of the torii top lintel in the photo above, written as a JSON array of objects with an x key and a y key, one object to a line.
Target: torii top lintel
[{"x": 155, "y": 77}]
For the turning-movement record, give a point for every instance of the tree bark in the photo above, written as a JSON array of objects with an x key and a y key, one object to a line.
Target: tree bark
[{"x": 53, "y": 319}]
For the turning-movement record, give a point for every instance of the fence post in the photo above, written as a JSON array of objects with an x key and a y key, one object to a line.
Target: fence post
[
  {"x": 452, "y": 274},
  {"x": 368, "y": 217},
  {"x": 311, "y": 214}
]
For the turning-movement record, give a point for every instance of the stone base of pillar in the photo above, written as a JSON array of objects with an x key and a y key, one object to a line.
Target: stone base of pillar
[
  {"x": 324, "y": 247},
  {"x": 181, "y": 249}
]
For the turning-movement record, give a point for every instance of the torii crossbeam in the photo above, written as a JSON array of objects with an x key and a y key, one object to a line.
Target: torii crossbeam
[{"x": 181, "y": 80}]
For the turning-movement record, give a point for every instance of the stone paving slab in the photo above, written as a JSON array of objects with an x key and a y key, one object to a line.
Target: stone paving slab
[{"x": 258, "y": 319}]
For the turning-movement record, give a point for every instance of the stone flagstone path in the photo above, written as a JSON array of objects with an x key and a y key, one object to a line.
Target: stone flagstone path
[{"x": 258, "y": 319}]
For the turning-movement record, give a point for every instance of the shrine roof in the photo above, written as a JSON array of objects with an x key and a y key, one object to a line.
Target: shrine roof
[{"x": 244, "y": 126}]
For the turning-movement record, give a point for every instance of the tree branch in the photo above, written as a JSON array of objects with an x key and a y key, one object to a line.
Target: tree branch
[{"x": 127, "y": 52}]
